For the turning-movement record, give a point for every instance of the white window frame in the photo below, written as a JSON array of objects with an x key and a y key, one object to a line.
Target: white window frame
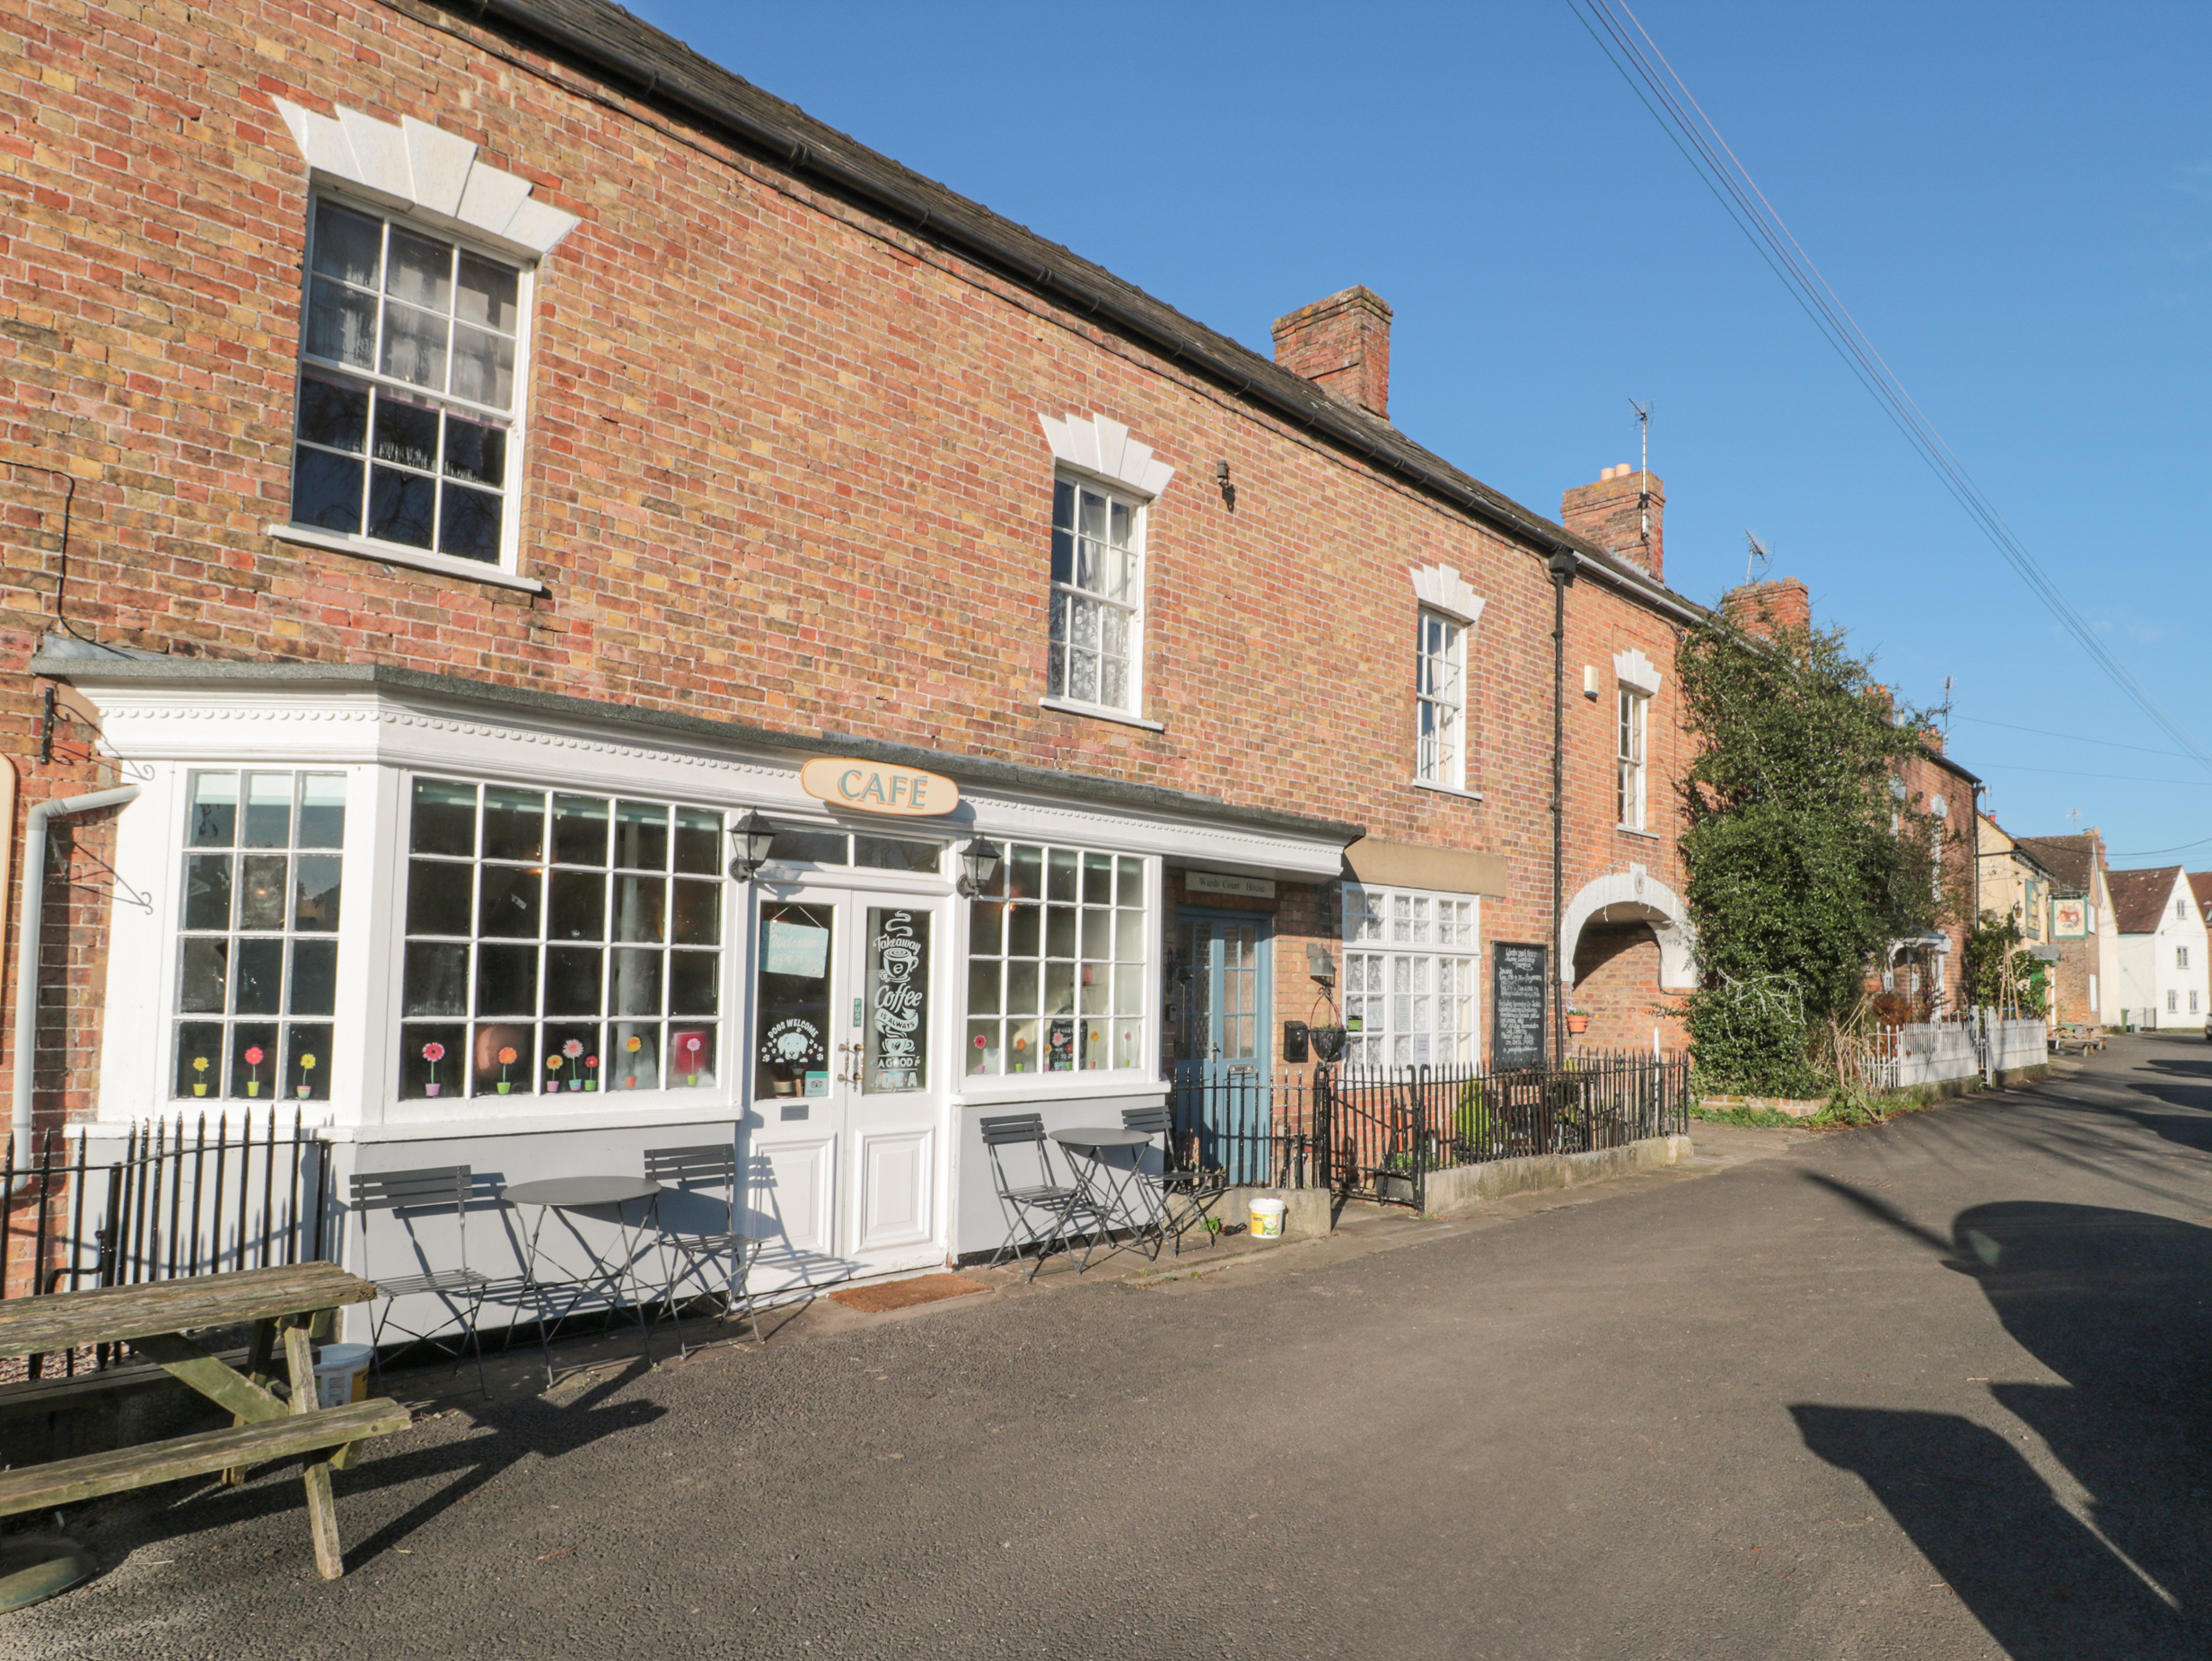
[
  {"x": 1406, "y": 953},
  {"x": 1440, "y": 699},
  {"x": 1632, "y": 745},
  {"x": 2173, "y": 1002},
  {"x": 516, "y": 418},
  {"x": 2180, "y": 957},
  {"x": 1073, "y": 595}
]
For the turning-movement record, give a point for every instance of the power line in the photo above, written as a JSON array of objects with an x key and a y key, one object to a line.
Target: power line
[
  {"x": 1631, "y": 49},
  {"x": 2147, "y": 853},
  {"x": 2077, "y": 738},
  {"x": 2125, "y": 779}
]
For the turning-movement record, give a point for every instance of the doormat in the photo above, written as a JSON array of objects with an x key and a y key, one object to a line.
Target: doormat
[{"x": 887, "y": 1295}]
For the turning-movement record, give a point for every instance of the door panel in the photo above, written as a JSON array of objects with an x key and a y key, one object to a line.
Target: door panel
[
  {"x": 895, "y": 1185},
  {"x": 792, "y": 1198}
]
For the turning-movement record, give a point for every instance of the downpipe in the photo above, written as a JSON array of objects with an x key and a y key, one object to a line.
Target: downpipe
[
  {"x": 31, "y": 914},
  {"x": 1563, "y": 566}
]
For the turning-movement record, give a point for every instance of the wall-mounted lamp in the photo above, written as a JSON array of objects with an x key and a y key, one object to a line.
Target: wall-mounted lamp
[
  {"x": 750, "y": 837},
  {"x": 1228, "y": 490},
  {"x": 1321, "y": 965},
  {"x": 978, "y": 864}
]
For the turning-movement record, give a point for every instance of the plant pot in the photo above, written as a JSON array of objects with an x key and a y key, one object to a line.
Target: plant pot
[
  {"x": 253, "y": 1087},
  {"x": 1578, "y": 1023},
  {"x": 576, "y": 1084},
  {"x": 200, "y": 1089},
  {"x": 504, "y": 1086},
  {"x": 1328, "y": 1041},
  {"x": 302, "y": 1090},
  {"x": 433, "y": 1087},
  {"x": 690, "y": 1078},
  {"x": 591, "y": 1083}
]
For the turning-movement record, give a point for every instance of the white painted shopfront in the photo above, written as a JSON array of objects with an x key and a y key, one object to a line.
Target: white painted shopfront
[{"x": 460, "y": 924}]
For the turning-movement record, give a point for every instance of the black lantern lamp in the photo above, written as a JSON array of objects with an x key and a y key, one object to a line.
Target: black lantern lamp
[
  {"x": 978, "y": 864},
  {"x": 752, "y": 837}
]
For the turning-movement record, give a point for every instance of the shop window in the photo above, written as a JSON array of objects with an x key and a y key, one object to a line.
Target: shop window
[
  {"x": 257, "y": 951},
  {"x": 1057, "y": 949},
  {"x": 808, "y": 845},
  {"x": 559, "y": 943},
  {"x": 1632, "y": 730},
  {"x": 1410, "y": 963},
  {"x": 1097, "y": 597},
  {"x": 1440, "y": 695},
  {"x": 410, "y": 360}
]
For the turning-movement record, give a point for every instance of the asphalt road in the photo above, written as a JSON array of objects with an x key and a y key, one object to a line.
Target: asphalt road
[{"x": 1934, "y": 1390}]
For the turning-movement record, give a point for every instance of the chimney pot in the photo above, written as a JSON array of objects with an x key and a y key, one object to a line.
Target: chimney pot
[
  {"x": 1343, "y": 345},
  {"x": 1768, "y": 608}
]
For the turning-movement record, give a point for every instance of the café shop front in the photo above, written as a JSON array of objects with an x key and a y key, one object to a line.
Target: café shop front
[{"x": 464, "y": 924}]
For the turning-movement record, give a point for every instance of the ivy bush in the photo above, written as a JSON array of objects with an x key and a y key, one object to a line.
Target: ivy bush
[{"x": 1804, "y": 859}]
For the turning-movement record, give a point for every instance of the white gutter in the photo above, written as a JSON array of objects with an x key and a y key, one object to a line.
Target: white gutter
[{"x": 29, "y": 915}]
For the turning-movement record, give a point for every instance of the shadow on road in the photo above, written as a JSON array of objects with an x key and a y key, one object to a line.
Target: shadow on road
[{"x": 2114, "y": 1302}]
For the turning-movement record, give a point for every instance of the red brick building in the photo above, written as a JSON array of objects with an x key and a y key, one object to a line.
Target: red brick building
[{"x": 466, "y": 461}]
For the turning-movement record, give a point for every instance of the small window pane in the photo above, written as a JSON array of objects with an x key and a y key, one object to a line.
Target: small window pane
[
  {"x": 1098, "y": 879},
  {"x": 213, "y": 819},
  {"x": 401, "y": 506},
  {"x": 483, "y": 367},
  {"x": 1023, "y": 930},
  {"x": 486, "y": 294},
  {"x": 572, "y": 980},
  {"x": 506, "y": 1057},
  {"x": 421, "y": 270},
  {"x": 514, "y": 823},
  {"x": 257, "y": 989},
  {"x": 407, "y": 434},
  {"x": 508, "y": 899},
  {"x": 199, "y": 1058},
  {"x": 636, "y": 983},
  {"x": 322, "y": 810},
  {"x": 314, "y": 990},
  {"x": 469, "y": 523},
  {"x": 694, "y": 914},
  {"x": 438, "y": 978},
  {"x": 808, "y": 848},
  {"x": 580, "y": 830},
  {"x": 207, "y": 891},
  {"x": 414, "y": 347},
  {"x": 445, "y": 817},
  {"x": 636, "y": 1056},
  {"x": 691, "y": 1056},
  {"x": 579, "y": 906},
  {"x": 986, "y": 925},
  {"x": 315, "y": 893},
  {"x": 341, "y": 324},
  {"x": 640, "y": 908},
  {"x": 983, "y": 986},
  {"x": 253, "y": 1059},
  {"x": 694, "y": 984},
  {"x": 506, "y": 980},
  {"x": 884, "y": 853},
  {"x": 1062, "y": 879},
  {"x": 641, "y": 837},
  {"x": 307, "y": 1063},
  {"x": 203, "y": 977},
  {"x": 334, "y": 414},
  {"x": 439, "y": 897},
  {"x": 347, "y": 245},
  {"x": 261, "y": 891},
  {"x": 325, "y": 492},
  {"x": 268, "y": 809},
  {"x": 698, "y": 841},
  {"x": 1026, "y": 867},
  {"x": 1059, "y": 931}
]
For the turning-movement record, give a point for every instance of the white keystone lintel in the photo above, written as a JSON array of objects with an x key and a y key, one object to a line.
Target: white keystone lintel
[
  {"x": 1441, "y": 588},
  {"x": 1633, "y": 669},
  {"x": 1102, "y": 447},
  {"x": 414, "y": 165}
]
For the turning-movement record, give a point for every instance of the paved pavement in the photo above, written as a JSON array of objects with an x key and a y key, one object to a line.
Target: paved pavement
[{"x": 1934, "y": 1390}]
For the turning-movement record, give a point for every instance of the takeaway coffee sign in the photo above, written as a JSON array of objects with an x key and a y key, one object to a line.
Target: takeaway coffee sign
[{"x": 873, "y": 787}]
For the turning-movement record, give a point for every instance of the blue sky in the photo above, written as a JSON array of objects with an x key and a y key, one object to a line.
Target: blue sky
[{"x": 2014, "y": 200}]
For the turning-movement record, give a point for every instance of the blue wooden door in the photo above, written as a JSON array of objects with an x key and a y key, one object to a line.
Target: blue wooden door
[{"x": 1220, "y": 966}]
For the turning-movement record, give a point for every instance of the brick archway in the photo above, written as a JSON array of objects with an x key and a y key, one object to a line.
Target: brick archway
[{"x": 1633, "y": 896}]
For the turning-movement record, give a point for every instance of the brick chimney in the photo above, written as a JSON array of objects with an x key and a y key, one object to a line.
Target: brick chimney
[
  {"x": 1624, "y": 514},
  {"x": 1343, "y": 345},
  {"x": 1768, "y": 608}
]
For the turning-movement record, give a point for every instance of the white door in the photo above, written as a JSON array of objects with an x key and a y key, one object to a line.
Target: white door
[{"x": 847, "y": 1091}]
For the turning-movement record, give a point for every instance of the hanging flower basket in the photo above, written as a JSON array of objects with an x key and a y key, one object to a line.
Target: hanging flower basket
[{"x": 1328, "y": 1041}]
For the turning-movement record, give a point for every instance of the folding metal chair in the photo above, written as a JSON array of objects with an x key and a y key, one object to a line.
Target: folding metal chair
[
  {"x": 696, "y": 1253},
  {"x": 1038, "y": 1212},
  {"x": 432, "y": 1191},
  {"x": 1181, "y": 1199}
]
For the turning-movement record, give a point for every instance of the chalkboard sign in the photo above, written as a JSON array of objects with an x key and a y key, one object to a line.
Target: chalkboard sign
[{"x": 1519, "y": 985}]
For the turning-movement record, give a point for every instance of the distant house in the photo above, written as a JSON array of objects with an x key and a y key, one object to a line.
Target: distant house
[
  {"x": 2081, "y": 927},
  {"x": 2163, "y": 947},
  {"x": 2013, "y": 883},
  {"x": 2201, "y": 886}
]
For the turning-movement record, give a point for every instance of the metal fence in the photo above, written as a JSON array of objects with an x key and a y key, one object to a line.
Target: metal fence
[
  {"x": 183, "y": 1198},
  {"x": 1377, "y": 1132}
]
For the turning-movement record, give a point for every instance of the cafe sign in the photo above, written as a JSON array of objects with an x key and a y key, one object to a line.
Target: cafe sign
[{"x": 873, "y": 787}]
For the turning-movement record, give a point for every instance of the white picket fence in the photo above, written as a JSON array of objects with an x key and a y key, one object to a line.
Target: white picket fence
[{"x": 1936, "y": 1053}]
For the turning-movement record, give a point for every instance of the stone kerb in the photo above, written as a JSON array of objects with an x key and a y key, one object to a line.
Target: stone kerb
[{"x": 1465, "y": 1186}]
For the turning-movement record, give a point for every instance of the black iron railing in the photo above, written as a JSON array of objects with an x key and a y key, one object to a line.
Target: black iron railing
[
  {"x": 1251, "y": 1126},
  {"x": 185, "y": 1198},
  {"x": 1379, "y": 1133}
]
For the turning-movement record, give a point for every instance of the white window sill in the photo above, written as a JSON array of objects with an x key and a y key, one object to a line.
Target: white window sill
[
  {"x": 1649, "y": 836},
  {"x": 391, "y": 553},
  {"x": 1069, "y": 707},
  {"x": 1427, "y": 784}
]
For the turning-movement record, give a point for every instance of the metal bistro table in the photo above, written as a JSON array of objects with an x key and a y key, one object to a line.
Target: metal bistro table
[
  {"x": 612, "y": 1274},
  {"x": 1117, "y": 1196}
]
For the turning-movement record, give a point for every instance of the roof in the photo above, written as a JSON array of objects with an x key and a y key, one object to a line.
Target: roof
[
  {"x": 2069, "y": 859},
  {"x": 982, "y": 771},
  {"x": 2139, "y": 897},
  {"x": 2201, "y": 886},
  {"x": 656, "y": 69}
]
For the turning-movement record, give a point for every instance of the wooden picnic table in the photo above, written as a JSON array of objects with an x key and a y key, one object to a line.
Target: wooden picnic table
[{"x": 288, "y": 1306}]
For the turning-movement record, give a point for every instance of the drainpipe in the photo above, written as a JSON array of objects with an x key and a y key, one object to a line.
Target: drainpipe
[
  {"x": 1563, "y": 566},
  {"x": 31, "y": 913}
]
